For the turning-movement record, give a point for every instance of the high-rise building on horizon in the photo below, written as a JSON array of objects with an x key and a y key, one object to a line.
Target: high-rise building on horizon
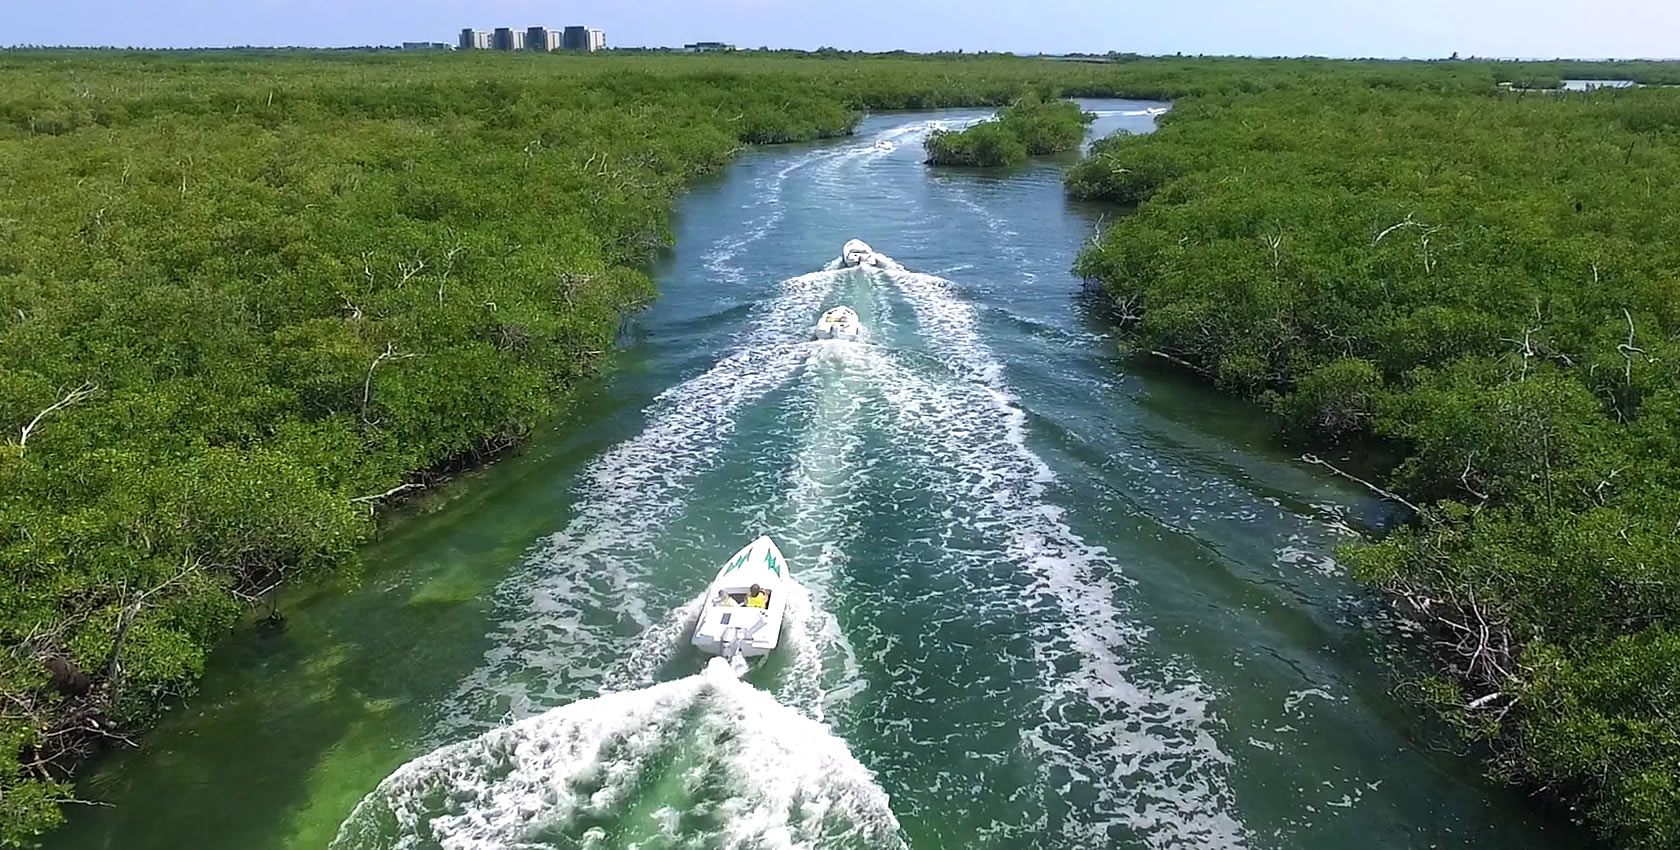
[
  {"x": 533, "y": 38},
  {"x": 542, "y": 38}
]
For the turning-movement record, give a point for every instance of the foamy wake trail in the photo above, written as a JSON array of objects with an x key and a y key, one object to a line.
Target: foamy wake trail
[
  {"x": 815, "y": 520},
  {"x": 820, "y": 520},
  {"x": 831, "y": 176},
  {"x": 702, "y": 762},
  {"x": 569, "y": 607},
  {"x": 720, "y": 260},
  {"x": 1138, "y": 743},
  {"x": 884, "y": 262}
]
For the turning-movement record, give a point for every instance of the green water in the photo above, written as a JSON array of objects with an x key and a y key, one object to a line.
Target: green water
[{"x": 1056, "y": 599}]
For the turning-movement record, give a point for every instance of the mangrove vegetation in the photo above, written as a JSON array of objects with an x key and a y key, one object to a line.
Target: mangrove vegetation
[{"x": 1489, "y": 282}]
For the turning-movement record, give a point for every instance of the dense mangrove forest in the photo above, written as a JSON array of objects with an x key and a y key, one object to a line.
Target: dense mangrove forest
[
  {"x": 251, "y": 300},
  {"x": 1488, "y": 284}
]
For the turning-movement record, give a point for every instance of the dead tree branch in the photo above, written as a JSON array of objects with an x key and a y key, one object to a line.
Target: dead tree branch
[
  {"x": 1180, "y": 362},
  {"x": 390, "y": 353},
  {"x": 367, "y": 268},
  {"x": 1274, "y": 243},
  {"x": 400, "y": 488},
  {"x": 75, "y": 396},
  {"x": 410, "y": 270},
  {"x": 132, "y": 610},
  {"x": 1628, "y": 350},
  {"x": 1387, "y": 494},
  {"x": 1097, "y": 230},
  {"x": 1408, "y": 222},
  {"x": 1464, "y": 478}
]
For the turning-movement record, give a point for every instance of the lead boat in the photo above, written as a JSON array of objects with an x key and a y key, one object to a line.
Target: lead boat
[
  {"x": 728, "y": 627},
  {"x": 838, "y": 323},
  {"x": 856, "y": 253}
]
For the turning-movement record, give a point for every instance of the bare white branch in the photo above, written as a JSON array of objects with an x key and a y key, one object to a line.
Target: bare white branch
[
  {"x": 113, "y": 665},
  {"x": 1316, "y": 460},
  {"x": 1628, "y": 349},
  {"x": 1408, "y": 222},
  {"x": 1275, "y": 242},
  {"x": 400, "y": 488},
  {"x": 367, "y": 268},
  {"x": 409, "y": 270},
  {"x": 390, "y": 353},
  {"x": 448, "y": 266},
  {"x": 75, "y": 396},
  {"x": 1464, "y": 478}
]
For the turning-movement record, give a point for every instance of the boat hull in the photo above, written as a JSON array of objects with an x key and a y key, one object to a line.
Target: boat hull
[
  {"x": 730, "y": 628},
  {"x": 857, "y": 253},
  {"x": 838, "y": 323}
]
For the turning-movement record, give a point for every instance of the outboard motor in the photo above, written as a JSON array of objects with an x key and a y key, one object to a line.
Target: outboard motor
[{"x": 734, "y": 639}]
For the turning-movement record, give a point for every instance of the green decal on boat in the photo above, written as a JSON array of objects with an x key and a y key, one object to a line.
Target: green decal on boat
[
  {"x": 739, "y": 561},
  {"x": 770, "y": 561}
]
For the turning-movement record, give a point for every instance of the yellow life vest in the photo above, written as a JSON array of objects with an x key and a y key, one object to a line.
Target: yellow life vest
[{"x": 762, "y": 600}]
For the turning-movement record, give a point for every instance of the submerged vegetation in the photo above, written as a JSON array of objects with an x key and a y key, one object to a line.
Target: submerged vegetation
[
  {"x": 1491, "y": 282},
  {"x": 1028, "y": 127}
]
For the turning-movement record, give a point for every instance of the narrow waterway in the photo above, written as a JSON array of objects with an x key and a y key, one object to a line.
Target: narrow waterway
[{"x": 1051, "y": 598}]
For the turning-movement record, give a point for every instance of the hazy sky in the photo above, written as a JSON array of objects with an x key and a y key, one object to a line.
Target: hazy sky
[{"x": 1419, "y": 28}]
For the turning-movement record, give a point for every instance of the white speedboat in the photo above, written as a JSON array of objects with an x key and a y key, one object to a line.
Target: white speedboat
[
  {"x": 883, "y": 145},
  {"x": 857, "y": 253},
  {"x": 737, "y": 623},
  {"x": 839, "y": 323}
]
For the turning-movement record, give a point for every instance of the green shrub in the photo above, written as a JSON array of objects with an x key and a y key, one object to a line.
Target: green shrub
[
  {"x": 1027, "y": 127},
  {"x": 988, "y": 143}
]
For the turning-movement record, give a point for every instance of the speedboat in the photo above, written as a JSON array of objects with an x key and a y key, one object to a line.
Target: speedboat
[
  {"x": 857, "y": 253},
  {"x": 883, "y": 145},
  {"x": 729, "y": 626},
  {"x": 838, "y": 323}
]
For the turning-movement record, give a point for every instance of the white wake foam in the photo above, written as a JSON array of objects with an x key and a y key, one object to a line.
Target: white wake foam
[
  {"x": 720, "y": 260},
  {"x": 819, "y": 520},
  {"x": 704, "y": 761},
  {"x": 1140, "y": 743},
  {"x": 570, "y": 606},
  {"x": 770, "y": 190}
]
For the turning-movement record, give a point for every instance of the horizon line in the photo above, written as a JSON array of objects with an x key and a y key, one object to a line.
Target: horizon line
[{"x": 454, "y": 47}]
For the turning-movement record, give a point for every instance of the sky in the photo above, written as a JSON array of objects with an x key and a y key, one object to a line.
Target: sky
[{"x": 1384, "y": 28}]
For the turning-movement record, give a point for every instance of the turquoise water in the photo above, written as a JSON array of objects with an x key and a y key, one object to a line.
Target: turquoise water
[{"x": 1049, "y": 597}]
